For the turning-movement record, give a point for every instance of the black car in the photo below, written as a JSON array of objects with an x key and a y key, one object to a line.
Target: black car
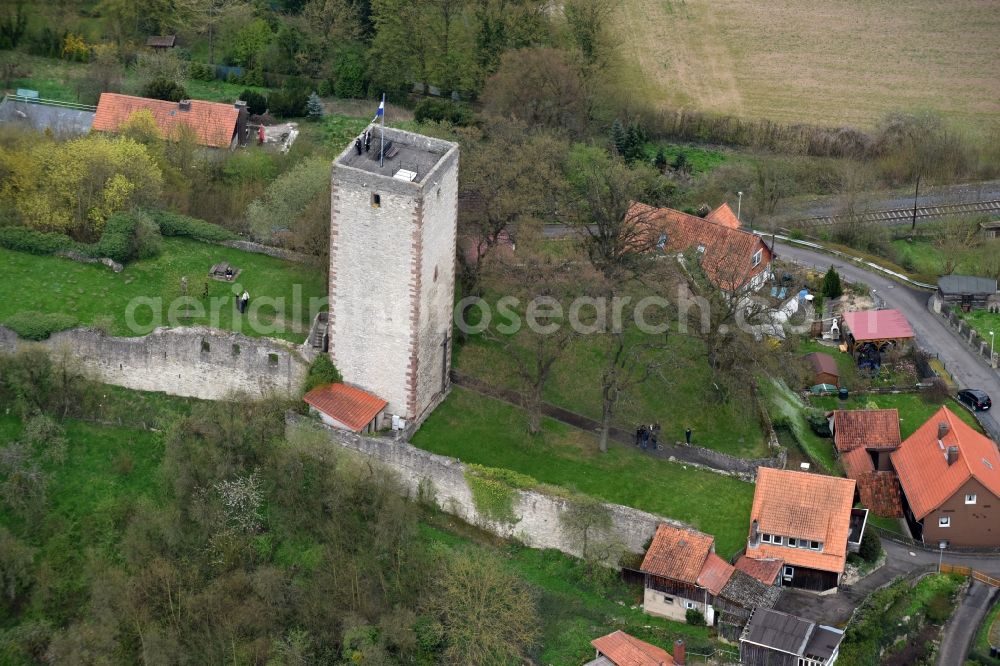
[{"x": 975, "y": 399}]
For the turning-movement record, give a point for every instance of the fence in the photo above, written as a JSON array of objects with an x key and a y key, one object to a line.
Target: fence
[
  {"x": 976, "y": 343},
  {"x": 970, "y": 572},
  {"x": 50, "y": 102}
]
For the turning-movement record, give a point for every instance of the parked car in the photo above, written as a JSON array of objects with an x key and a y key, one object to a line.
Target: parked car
[{"x": 975, "y": 399}]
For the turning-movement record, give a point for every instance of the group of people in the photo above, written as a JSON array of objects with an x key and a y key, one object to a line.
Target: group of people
[
  {"x": 363, "y": 142},
  {"x": 646, "y": 435},
  {"x": 649, "y": 435}
]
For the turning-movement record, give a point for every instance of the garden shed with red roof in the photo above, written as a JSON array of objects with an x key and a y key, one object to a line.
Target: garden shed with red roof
[{"x": 347, "y": 407}]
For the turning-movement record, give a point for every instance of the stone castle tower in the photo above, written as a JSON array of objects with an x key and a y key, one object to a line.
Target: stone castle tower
[{"x": 392, "y": 269}]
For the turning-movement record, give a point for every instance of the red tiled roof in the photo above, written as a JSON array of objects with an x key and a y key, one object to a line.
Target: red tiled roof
[
  {"x": 879, "y": 492},
  {"x": 766, "y": 571},
  {"x": 728, "y": 254},
  {"x": 351, "y": 406},
  {"x": 715, "y": 573},
  {"x": 214, "y": 124},
  {"x": 725, "y": 216},
  {"x": 857, "y": 462},
  {"x": 803, "y": 506},
  {"x": 878, "y": 325},
  {"x": 820, "y": 362},
  {"x": 677, "y": 553},
  {"x": 924, "y": 473},
  {"x": 866, "y": 428},
  {"x": 625, "y": 650}
]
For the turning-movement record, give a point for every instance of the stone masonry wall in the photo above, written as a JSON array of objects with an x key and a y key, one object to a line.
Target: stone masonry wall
[
  {"x": 198, "y": 361},
  {"x": 539, "y": 524}
]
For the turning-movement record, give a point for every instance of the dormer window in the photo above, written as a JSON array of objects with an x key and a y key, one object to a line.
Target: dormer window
[
  {"x": 758, "y": 256},
  {"x": 766, "y": 538}
]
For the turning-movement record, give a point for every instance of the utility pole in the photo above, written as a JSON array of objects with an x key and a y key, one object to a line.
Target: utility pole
[{"x": 916, "y": 194}]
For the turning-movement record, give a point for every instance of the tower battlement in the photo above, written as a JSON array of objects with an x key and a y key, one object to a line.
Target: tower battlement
[{"x": 392, "y": 268}]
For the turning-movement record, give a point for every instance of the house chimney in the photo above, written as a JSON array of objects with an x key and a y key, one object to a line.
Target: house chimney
[
  {"x": 942, "y": 429},
  {"x": 679, "y": 657},
  {"x": 239, "y": 105},
  {"x": 952, "y": 455},
  {"x": 184, "y": 105},
  {"x": 754, "y": 534}
]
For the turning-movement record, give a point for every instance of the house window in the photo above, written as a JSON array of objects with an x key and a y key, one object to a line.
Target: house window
[
  {"x": 816, "y": 545},
  {"x": 758, "y": 256},
  {"x": 766, "y": 538},
  {"x": 376, "y": 200},
  {"x": 668, "y": 600},
  {"x": 788, "y": 572},
  {"x": 777, "y": 540},
  {"x": 792, "y": 543},
  {"x": 970, "y": 499},
  {"x": 944, "y": 521},
  {"x": 689, "y": 605}
]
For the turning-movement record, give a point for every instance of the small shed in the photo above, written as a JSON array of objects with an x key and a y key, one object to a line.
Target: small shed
[
  {"x": 777, "y": 639},
  {"x": 161, "y": 42},
  {"x": 966, "y": 291},
  {"x": 880, "y": 330},
  {"x": 990, "y": 230},
  {"x": 824, "y": 369},
  {"x": 347, "y": 407}
]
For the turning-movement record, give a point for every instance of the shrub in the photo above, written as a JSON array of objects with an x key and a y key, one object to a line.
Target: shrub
[
  {"x": 175, "y": 224},
  {"x": 38, "y": 325},
  {"x": 816, "y": 418},
  {"x": 694, "y": 617},
  {"x": 290, "y": 102},
  {"x": 350, "y": 72},
  {"x": 23, "y": 239},
  {"x": 936, "y": 393},
  {"x": 442, "y": 110},
  {"x": 165, "y": 89},
  {"x": 322, "y": 371},
  {"x": 201, "y": 72},
  {"x": 871, "y": 547},
  {"x": 127, "y": 237},
  {"x": 256, "y": 102}
]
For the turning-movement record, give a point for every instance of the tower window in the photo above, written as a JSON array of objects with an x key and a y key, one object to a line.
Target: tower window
[{"x": 376, "y": 200}]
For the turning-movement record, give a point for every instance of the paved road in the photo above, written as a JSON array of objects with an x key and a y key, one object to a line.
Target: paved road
[
  {"x": 836, "y": 609},
  {"x": 962, "y": 626},
  {"x": 932, "y": 334}
]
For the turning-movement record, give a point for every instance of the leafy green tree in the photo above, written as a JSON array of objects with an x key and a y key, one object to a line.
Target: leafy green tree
[
  {"x": 13, "y": 25},
  {"x": 832, "y": 287},
  {"x": 488, "y": 615},
  {"x": 660, "y": 161},
  {"x": 321, "y": 372},
  {"x": 350, "y": 71},
  {"x": 74, "y": 186},
  {"x": 250, "y": 43},
  {"x": 587, "y": 21}
]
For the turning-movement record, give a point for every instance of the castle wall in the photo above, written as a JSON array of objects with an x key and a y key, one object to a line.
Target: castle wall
[
  {"x": 539, "y": 521},
  {"x": 199, "y": 362}
]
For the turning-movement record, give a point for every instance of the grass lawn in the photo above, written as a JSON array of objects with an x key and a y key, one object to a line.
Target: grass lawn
[
  {"x": 697, "y": 160},
  {"x": 913, "y": 411},
  {"x": 107, "y": 471},
  {"x": 575, "y": 608},
  {"x": 989, "y": 632},
  {"x": 984, "y": 322},
  {"x": 95, "y": 294},
  {"x": 489, "y": 432},
  {"x": 788, "y": 409},
  {"x": 677, "y": 397},
  {"x": 773, "y": 59},
  {"x": 927, "y": 259}
]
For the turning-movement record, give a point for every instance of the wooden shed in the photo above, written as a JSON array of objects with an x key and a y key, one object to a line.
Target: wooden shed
[{"x": 824, "y": 369}]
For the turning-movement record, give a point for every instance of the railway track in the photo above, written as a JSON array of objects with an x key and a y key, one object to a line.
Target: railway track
[{"x": 897, "y": 216}]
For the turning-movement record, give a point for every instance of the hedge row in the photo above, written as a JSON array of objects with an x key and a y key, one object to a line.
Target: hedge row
[
  {"x": 175, "y": 224},
  {"x": 38, "y": 325},
  {"x": 31, "y": 241}
]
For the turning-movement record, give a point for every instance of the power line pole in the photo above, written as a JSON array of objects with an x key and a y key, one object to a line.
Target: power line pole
[{"x": 916, "y": 194}]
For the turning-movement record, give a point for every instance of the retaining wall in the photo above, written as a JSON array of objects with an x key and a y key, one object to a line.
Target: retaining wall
[
  {"x": 538, "y": 522},
  {"x": 197, "y": 361}
]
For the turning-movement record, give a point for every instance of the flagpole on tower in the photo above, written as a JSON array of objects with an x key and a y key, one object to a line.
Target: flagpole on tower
[{"x": 381, "y": 151}]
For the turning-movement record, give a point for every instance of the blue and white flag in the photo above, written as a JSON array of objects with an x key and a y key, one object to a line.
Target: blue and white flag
[{"x": 381, "y": 109}]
